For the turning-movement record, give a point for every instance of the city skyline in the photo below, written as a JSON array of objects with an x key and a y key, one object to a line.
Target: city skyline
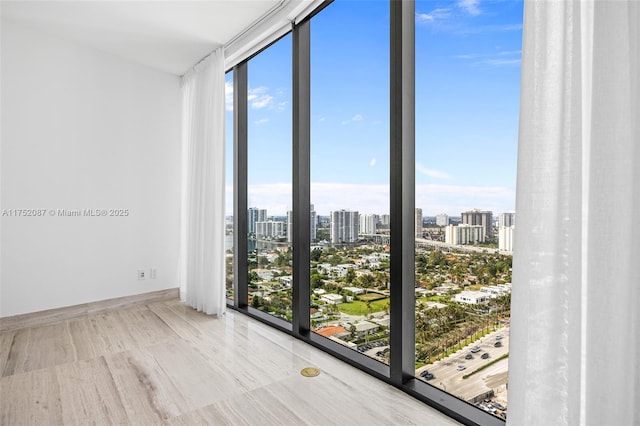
[{"x": 467, "y": 98}]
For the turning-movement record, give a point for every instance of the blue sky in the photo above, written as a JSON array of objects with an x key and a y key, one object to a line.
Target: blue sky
[{"x": 467, "y": 94}]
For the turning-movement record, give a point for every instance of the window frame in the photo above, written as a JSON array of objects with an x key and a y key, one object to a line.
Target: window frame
[{"x": 400, "y": 374}]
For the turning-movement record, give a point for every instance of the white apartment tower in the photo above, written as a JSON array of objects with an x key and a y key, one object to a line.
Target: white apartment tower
[
  {"x": 464, "y": 234},
  {"x": 505, "y": 238},
  {"x": 506, "y": 220},
  {"x": 368, "y": 224},
  {"x": 418, "y": 225},
  {"x": 442, "y": 219},
  {"x": 313, "y": 218},
  {"x": 506, "y": 225},
  {"x": 477, "y": 217},
  {"x": 270, "y": 229},
  {"x": 345, "y": 226},
  {"x": 254, "y": 216}
]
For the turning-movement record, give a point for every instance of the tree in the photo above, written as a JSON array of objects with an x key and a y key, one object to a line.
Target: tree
[
  {"x": 255, "y": 302},
  {"x": 315, "y": 255},
  {"x": 436, "y": 258},
  {"x": 316, "y": 281},
  {"x": 366, "y": 280},
  {"x": 352, "y": 330},
  {"x": 351, "y": 275}
]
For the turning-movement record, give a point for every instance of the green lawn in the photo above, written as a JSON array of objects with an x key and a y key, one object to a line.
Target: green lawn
[
  {"x": 371, "y": 297},
  {"x": 358, "y": 307}
]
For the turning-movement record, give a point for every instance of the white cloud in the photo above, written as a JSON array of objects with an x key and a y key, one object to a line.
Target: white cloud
[
  {"x": 497, "y": 59},
  {"x": 479, "y": 29},
  {"x": 470, "y": 6},
  {"x": 261, "y": 121},
  {"x": 356, "y": 117},
  {"x": 259, "y": 97},
  {"x": 434, "y": 15},
  {"x": 372, "y": 162},
  {"x": 431, "y": 172},
  {"x": 432, "y": 198},
  {"x": 502, "y": 62},
  {"x": 228, "y": 95}
]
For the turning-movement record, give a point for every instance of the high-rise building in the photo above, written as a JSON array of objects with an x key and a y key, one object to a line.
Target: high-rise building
[
  {"x": 345, "y": 226},
  {"x": 477, "y": 217},
  {"x": 254, "y": 216},
  {"x": 464, "y": 234},
  {"x": 418, "y": 223},
  {"x": 506, "y": 220},
  {"x": 505, "y": 238},
  {"x": 314, "y": 222},
  {"x": 270, "y": 229},
  {"x": 442, "y": 219},
  {"x": 290, "y": 226},
  {"x": 368, "y": 223},
  {"x": 313, "y": 219},
  {"x": 385, "y": 220}
]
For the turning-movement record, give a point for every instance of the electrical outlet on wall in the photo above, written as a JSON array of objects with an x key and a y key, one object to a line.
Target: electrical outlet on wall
[{"x": 142, "y": 274}]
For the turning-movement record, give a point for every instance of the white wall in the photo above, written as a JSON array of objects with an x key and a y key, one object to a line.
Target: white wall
[{"x": 85, "y": 130}]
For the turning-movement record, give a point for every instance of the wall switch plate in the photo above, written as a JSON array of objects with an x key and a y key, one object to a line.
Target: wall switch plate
[{"x": 142, "y": 274}]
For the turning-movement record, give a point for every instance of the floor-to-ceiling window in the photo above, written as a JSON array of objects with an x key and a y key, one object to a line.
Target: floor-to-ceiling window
[
  {"x": 467, "y": 98},
  {"x": 349, "y": 271},
  {"x": 269, "y": 179},
  {"x": 346, "y": 119},
  {"x": 228, "y": 199}
]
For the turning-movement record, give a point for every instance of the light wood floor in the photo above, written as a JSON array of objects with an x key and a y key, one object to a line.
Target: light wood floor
[{"x": 164, "y": 363}]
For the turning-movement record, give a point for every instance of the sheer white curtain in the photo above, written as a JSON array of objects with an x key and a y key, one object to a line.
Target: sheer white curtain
[
  {"x": 202, "y": 269},
  {"x": 575, "y": 335}
]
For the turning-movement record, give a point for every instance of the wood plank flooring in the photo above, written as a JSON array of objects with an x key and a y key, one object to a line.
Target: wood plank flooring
[{"x": 164, "y": 363}]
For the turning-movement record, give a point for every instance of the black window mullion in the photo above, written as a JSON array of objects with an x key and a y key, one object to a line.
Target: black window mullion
[
  {"x": 402, "y": 210},
  {"x": 301, "y": 178},
  {"x": 240, "y": 224}
]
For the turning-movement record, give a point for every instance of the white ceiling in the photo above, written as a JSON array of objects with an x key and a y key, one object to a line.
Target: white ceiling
[{"x": 168, "y": 35}]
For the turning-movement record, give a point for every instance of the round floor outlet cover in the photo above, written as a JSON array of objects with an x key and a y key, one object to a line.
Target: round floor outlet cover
[{"x": 310, "y": 372}]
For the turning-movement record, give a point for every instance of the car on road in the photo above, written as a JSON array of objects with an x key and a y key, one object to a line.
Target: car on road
[
  {"x": 461, "y": 367},
  {"x": 475, "y": 349},
  {"x": 498, "y": 337},
  {"x": 426, "y": 375},
  {"x": 468, "y": 356},
  {"x": 485, "y": 355},
  {"x": 497, "y": 344}
]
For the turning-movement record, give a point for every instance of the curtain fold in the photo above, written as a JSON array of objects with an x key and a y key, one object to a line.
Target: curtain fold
[
  {"x": 202, "y": 269},
  {"x": 575, "y": 323}
]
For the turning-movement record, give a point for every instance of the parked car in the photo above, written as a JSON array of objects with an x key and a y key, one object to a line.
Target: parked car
[
  {"x": 498, "y": 337},
  {"x": 475, "y": 349},
  {"x": 499, "y": 406},
  {"x": 485, "y": 355},
  {"x": 468, "y": 356},
  {"x": 461, "y": 367},
  {"x": 497, "y": 344}
]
